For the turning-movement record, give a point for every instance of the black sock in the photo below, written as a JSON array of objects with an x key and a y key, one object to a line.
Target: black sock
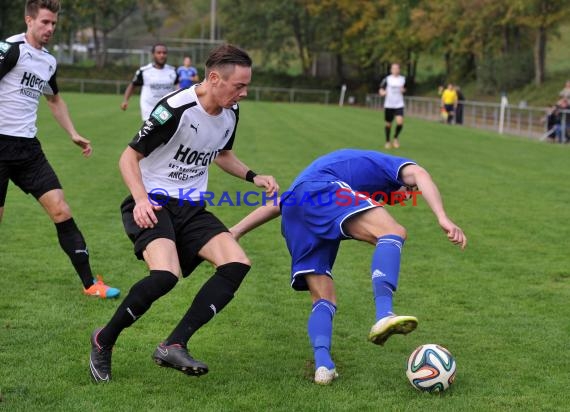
[
  {"x": 216, "y": 293},
  {"x": 141, "y": 296},
  {"x": 399, "y": 128},
  {"x": 72, "y": 242},
  {"x": 387, "y": 132}
]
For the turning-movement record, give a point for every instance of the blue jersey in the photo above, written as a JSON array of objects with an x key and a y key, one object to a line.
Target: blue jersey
[
  {"x": 363, "y": 170},
  {"x": 185, "y": 75}
]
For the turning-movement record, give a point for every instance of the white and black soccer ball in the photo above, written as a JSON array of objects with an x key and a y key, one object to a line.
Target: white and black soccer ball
[{"x": 431, "y": 368}]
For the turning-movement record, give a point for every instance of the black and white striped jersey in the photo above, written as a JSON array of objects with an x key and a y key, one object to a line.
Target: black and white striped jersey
[
  {"x": 25, "y": 74},
  {"x": 155, "y": 84},
  {"x": 394, "y": 96},
  {"x": 179, "y": 141}
]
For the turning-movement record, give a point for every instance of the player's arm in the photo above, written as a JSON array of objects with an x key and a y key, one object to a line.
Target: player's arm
[
  {"x": 152, "y": 134},
  {"x": 382, "y": 90},
  {"x": 61, "y": 113},
  {"x": 143, "y": 212},
  {"x": 195, "y": 78},
  {"x": 137, "y": 81},
  {"x": 229, "y": 163},
  {"x": 414, "y": 175},
  {"x": 127, "y": 96},
  {"x": 9, "y": 55},
  {"x": 258, "y": 217}
]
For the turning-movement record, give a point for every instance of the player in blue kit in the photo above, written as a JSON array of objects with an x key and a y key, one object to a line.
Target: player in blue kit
[
  {"x": 187, "y": 74},
  {"x": 327, "y": 203}
]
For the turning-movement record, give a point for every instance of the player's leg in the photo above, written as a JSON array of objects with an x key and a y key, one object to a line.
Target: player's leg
[
  {"x": 232, "y": 265},
  {"x": 3, "y": 192},
  {"x": 388, "y": 118},
  {"x": 157, "y": 247},
  {"x": 162, "y": 259},
  {"x": 450, "y": 113},
  {"x": 204, "y": 238},
  {"x": 320, "y": 325},
  {"x": 73, "y": 244},
  {"x": 399, "y": 127},
  {"x": 313, "y": 238},
  {"x": 377, "y": 227}
]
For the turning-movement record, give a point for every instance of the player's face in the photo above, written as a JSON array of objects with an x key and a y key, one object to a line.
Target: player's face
[
  {"x": 395, "y": 69},
  {"x": 41, "y": 28},
  {"x": 160, "y": 55},
  {"x": 232, "y": 87}
]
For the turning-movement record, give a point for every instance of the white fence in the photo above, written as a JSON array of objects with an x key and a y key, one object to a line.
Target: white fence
[
  {"x": 520, "y": 121},
  {"x": 278, "y": 94}
]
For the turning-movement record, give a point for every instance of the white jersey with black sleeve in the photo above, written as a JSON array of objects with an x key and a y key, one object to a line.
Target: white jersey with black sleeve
[
  {"x": 25, "y": 74},
  {"x": 155, "y": 84},
  {"x": 179, "y": 141},
  {"x": 394, "y": 95}
]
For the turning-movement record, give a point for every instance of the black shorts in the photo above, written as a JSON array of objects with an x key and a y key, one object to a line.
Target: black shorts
[
  {"x": 22, "y": 160},
  {"x": 188, "y": 225},
  {"x": 389, "y": 114}
]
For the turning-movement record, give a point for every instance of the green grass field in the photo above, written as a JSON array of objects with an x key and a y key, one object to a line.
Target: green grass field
[{"x": 502, "y": 306}]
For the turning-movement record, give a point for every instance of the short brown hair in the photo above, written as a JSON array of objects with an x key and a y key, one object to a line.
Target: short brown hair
[
  {"x": 227, "y": 55},
  {"x": 33, "y": 6}
]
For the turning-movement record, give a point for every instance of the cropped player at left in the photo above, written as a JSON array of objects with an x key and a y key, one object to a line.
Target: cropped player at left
[{"x": 28, "y": 70}]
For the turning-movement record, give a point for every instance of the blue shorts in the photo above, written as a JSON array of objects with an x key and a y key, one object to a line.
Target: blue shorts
[{"x": 312, "y": 218}]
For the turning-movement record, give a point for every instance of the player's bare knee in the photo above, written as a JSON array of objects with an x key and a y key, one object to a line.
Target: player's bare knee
[
  {"x": 243, "y": 260},
  {"x": 391, "y": 229},
  {"x": 60, "y": 213},
  {"x": 400, "y": 231}
]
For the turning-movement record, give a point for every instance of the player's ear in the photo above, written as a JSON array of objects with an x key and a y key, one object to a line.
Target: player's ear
[{"x": 214, "y": 77}]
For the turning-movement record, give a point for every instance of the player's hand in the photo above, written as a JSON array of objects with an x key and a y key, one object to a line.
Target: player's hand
[
  {"x": 267, "y": 182},
  {"x": 85, "y": 144},
  {"x": 124, "y": 105},
  {"x": 143, "y": 214},
  {"x": 235, "y": 234},
  {"x": 454, "y": 232}
]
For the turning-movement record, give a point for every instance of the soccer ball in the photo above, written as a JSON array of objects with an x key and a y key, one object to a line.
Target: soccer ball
[{"x": 431, "y": 368}]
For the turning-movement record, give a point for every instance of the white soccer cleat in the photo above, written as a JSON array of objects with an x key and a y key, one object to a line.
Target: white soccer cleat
[
  {"x": 324, "y": 376},
  {"x": 391, "y": 325}
]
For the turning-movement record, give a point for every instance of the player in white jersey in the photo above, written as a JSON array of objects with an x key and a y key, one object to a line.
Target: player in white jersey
[
  {"x": 165, "y": 167},
  {"x": 156, "y": 79},
  {"x": 28, "y": 70},
  {"x": 392, "y": 89}
]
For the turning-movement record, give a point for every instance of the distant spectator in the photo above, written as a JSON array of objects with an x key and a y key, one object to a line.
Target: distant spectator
[
  {"x": 565, "y": 92},
  {"x": 449, "y": 102},
  {"x": 187, "y": 74},
  {"x": 459, "y": 109},
  {"x": 558, "y": 126}
]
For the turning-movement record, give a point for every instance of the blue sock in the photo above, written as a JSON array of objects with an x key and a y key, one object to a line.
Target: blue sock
[
  {"x": 385, "y": 270},
  {"x": 320, "y": 332}
]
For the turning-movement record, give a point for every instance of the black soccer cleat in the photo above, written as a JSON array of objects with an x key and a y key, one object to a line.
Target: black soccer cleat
[
  {"x": 177, "y": 357},
  {"x": 99, "y": 360}
]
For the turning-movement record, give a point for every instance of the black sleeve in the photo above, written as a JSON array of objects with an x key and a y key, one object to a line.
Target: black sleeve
[
  {"x": 9, "y": 55},
  {"x": 138, "y": 78},
  {"x": 383, "y": 83},
  {"x": 230, "y": 142},
  {"x": 157, "y": 129},
  {"x": 52, "y": 82}
]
